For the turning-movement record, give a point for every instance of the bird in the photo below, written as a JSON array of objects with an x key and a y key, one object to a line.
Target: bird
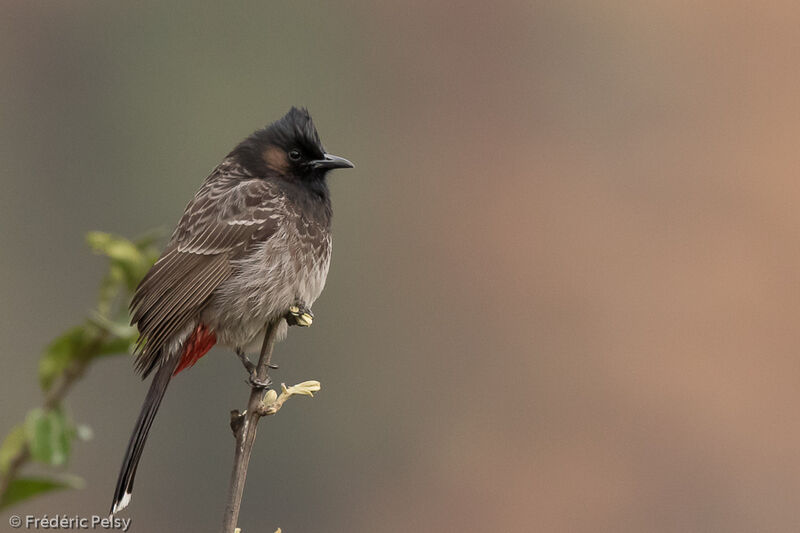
[{"x": 252, "y": 248}]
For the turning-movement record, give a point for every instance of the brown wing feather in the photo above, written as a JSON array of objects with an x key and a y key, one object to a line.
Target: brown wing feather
[{"x": 227, "y": 215}]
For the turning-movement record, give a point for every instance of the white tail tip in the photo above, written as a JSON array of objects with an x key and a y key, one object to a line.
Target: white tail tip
[{"x": 122, "y": 504}]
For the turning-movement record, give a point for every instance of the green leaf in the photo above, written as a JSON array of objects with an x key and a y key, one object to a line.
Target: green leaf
[
  {"x": 122, "y": 340},
  {"x": 60, "y": 353},
  {"x": 27, "y": 487},
  {"x": 12, "y": 445},
  {"x": 117, "y": 346},
  {"x": 49, "y": 436},
  {"x": 127, "y": 260},
  {"x": 117, "y": 248},
  {"x": 120, "y": 330}
]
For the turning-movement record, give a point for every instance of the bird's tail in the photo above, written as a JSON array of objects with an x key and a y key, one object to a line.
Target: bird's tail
[{"x": 122, "y": 494}]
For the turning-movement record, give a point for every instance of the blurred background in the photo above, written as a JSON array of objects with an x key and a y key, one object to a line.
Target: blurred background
[{"x": 564, "y": 291}]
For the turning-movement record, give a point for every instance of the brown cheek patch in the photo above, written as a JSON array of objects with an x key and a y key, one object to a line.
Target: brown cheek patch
[{"x": 275, "y": 158}]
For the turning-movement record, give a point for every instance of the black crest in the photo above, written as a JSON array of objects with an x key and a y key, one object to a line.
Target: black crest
[{"x": 294, "y": 130}]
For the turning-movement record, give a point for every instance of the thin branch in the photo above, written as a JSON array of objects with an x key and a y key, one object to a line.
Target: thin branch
[
  {"x": 22, "y": 457},
  {"x": 72, "y": 374},
  {"x": 244, "y": 428},
  {"x": 262, "y": 403}
]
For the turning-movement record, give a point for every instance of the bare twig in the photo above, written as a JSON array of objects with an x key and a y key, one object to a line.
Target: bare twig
[
  {"x": 243, "y": 425},
  {"x": 71, "y": 375},
  {"x": 244, "y": 428}
]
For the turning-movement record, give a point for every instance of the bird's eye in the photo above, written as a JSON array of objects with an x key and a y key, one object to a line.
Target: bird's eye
[{"x": 294, "y": 155}]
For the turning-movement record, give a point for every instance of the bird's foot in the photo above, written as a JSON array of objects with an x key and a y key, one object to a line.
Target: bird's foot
[
  {"x": 253, "y": 379},
  {"x": 299, "y": 315},
  {"x": 257, "y": 383}
]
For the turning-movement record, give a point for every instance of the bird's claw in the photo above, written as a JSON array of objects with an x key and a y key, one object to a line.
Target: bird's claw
[
  {"x": 299, "y": 315},
  {"x": 253, "y": 379},
  {"x": 257, "y": 383}
]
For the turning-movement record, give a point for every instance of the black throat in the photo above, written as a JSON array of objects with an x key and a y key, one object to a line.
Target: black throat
[{"x": 311, "y": 197}]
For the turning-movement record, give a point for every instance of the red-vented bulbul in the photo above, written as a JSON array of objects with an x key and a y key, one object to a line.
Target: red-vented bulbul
[{"x": 252, "y": 247}]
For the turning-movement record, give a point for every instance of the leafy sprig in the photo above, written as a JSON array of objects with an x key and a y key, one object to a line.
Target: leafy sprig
[{"x": 47, "y": 434}]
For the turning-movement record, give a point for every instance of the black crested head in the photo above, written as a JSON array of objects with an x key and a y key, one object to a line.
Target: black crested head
[
  {"x": 282, "y": 147},
  {"x": 289, "y": 149},
  {"x": 296, "y": 130}
]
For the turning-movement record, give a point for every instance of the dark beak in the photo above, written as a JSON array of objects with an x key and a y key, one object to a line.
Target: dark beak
[{"x": 331, "y": 162}]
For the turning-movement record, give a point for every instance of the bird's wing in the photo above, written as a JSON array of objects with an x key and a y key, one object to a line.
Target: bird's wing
[{"x": 227, "y": 216}]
